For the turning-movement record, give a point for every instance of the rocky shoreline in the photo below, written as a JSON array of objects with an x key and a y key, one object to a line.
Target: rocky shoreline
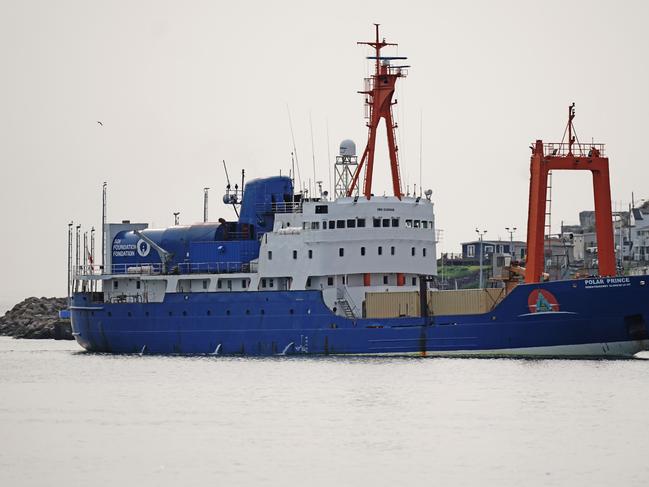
[{"x": 37, "y": 318}]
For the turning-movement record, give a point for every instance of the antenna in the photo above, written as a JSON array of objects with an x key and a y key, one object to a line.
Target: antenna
[
  {"x": 421, "y": 139},
  {"x": 312, "y": 145},
  {"x": 227, "y": 177},
  {"x": 328, "y": 156},
  {"x": 294, "y": 153}
]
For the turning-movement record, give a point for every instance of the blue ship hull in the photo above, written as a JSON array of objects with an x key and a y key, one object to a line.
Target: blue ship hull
[{"x": 588, "y": 317}]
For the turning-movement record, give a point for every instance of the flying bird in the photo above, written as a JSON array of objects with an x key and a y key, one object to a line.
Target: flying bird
[{"x": 100, "y": 123}]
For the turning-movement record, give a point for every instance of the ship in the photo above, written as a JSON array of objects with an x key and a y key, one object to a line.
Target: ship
[{"x": 302, "y": 273}]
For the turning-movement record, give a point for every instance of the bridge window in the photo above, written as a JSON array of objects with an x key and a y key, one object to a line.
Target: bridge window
[
  {"x": 321, "y": 209},
  {"x": 271, "y": 282},
  {"x": 360, "y": 222},
  {"x": 423, "y": 251},
  {"x": 330, "y": 281},
  {"x": 424, "y": 224},
  {"x": 270, "y": 255},
  {"x": 341, "y": 252},
  {"x": 137, "y": 284},
  {"x": 305, "y": 225},
  {"x": 392, "y": 250},
  {"x": 386, "y": 222},
  {"x": 115, "y": 284},
  {"x": 308, "y": 282},
  {"x": 414, "y": 281},
  {"x": 412, "y": 251},
  {"x": 294, "y": 254},
  {"x": 385, "y": 279},
  {"x": 244, "y": 283},
  {"x": 219, "y": 284},
  {"x": 332, "y": 224},
  {"x": 430, "y": 224},
  {"x": 408, "y": 223},
  {"x": 310, "y": 254},
  {"x": 376, "y": 222},
  {"x": 380, "y": 249},
  {"x": 340, "y": 223},
  {"x": 315, "y": 225},
  {"x": 395, "y": 222},
  {"x": 351, "y": 223},
  {"x": 263, "y": 283},
  {"x": 362, "y": 250},
  {"x": 204, "y": 284},
  {"x": 416, "y": 223}
]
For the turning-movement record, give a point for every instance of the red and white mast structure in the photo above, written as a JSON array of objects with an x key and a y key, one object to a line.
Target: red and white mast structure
[{"x": 378, "y": 97}]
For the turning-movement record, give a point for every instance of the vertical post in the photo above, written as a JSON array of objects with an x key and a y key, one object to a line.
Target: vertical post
[
  {"x": 92, "y": 258},
  {"x": 69, "y": 260},
  {"x": 77, "y": 256},
  {"x": 604, "y": 222},
  {"x": 481, "y": 247},
  {"x": 85, "y": 260},
  {"x": 536, "y": 215},
  {"x": 481, "y": 234},
  {"x": 103, "y": 226},
  {"x": 205, "y": 193}
]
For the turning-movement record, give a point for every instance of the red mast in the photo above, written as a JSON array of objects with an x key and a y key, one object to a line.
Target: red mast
[{"x": 379, "y": 92}]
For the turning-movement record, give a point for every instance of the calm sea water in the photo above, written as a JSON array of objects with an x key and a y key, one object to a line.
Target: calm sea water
[{"x": 72, "y": 418}]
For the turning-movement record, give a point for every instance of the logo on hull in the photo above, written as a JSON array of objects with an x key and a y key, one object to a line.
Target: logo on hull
[{"x": 542, "y": 301}]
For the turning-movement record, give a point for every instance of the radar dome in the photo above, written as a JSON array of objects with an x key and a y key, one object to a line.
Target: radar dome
[{"x": 347, "y": 148}]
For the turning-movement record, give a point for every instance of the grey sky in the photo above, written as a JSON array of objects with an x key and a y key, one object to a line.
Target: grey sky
[{"x": 181, "y": 85}]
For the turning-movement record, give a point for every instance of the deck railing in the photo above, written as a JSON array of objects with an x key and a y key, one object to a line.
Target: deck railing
[
  {"x": 578, "y": 149},
  {"x": 88, "y": 271}
]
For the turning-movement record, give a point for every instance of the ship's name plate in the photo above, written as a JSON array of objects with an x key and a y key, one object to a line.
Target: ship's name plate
[{"x": 607, "y": 282}]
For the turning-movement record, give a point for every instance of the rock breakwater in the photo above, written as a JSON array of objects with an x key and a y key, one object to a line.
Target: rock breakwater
[{"x": 37, "y": 318}]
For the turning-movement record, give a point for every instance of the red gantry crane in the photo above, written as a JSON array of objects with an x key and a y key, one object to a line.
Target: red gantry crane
[{"x": 568, "y": 156}]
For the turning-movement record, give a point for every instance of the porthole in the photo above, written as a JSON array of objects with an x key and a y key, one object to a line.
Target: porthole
[
  {"x": 227, "y": 312},
  {"x": 184, "y": 313},
  {"x": 247, "y": 311},
  {"x": 291, "y": 311},
  {"x": 129, "y": 314},
  {"x": 110, "y": 314},
  {"x": 209, "y": 312},
  {"x": 262, "y": 312}
]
